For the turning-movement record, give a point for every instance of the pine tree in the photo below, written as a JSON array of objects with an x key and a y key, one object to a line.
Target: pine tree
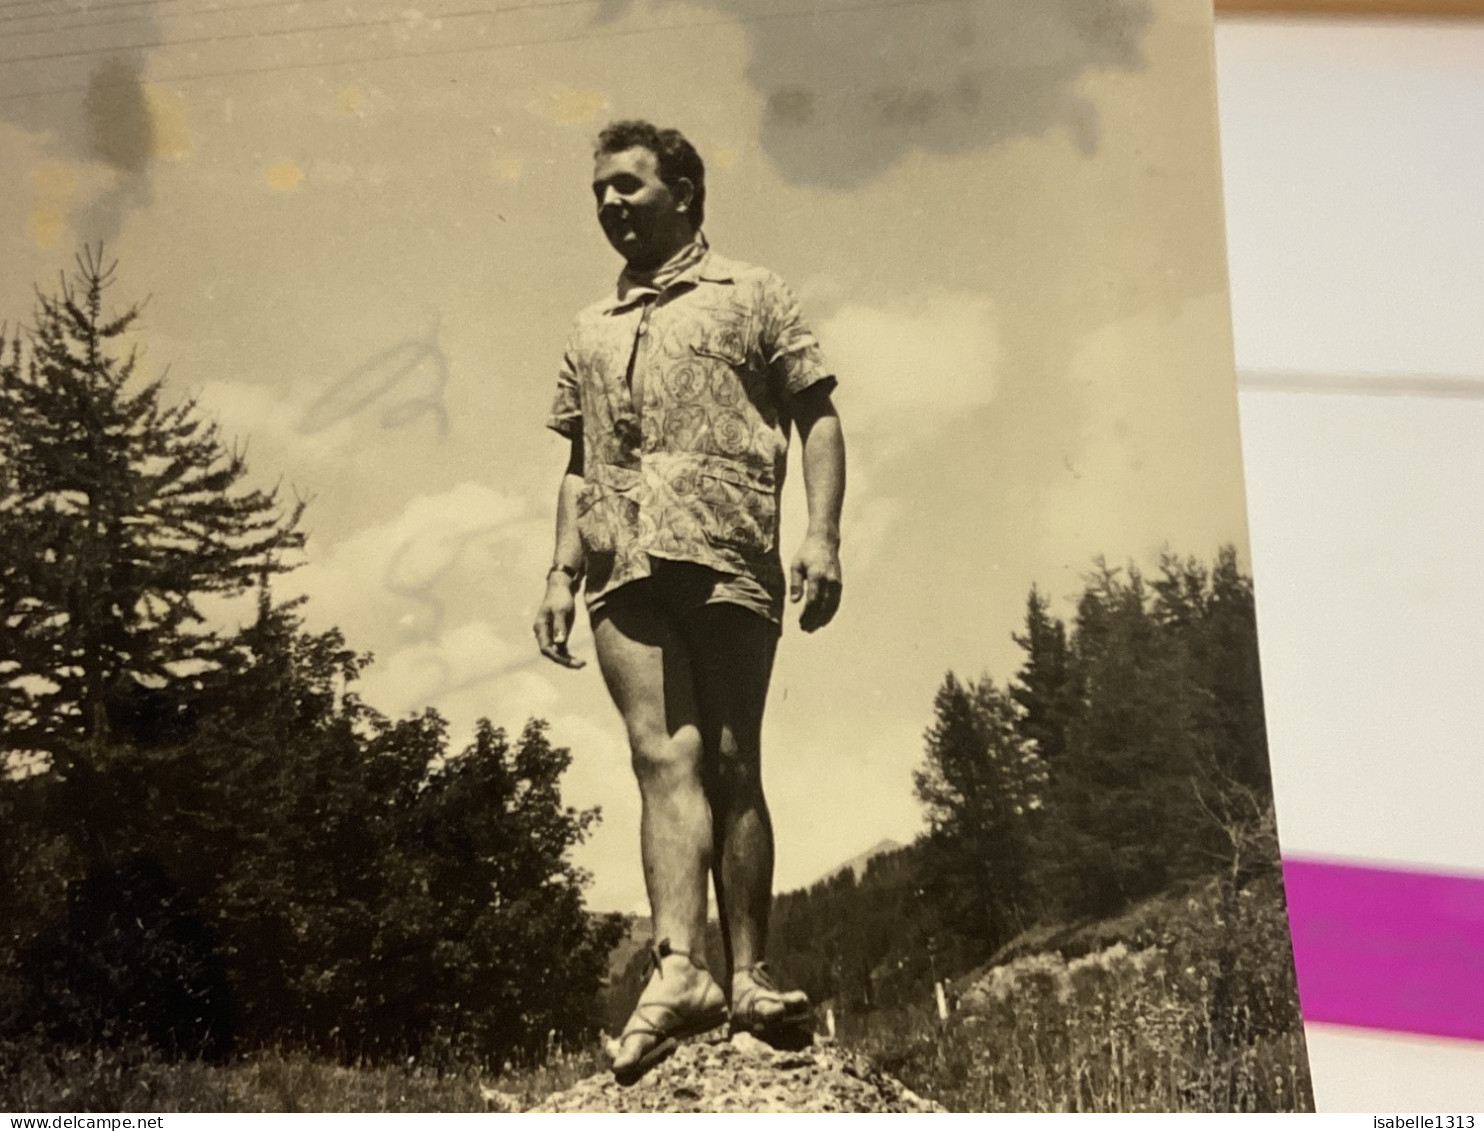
[
  {"x": 981, "y": 784},
  {"x": 1122, "y": 815},
  {"x": 1043, "y": 687},
  {"x": 119, "y": 512},
  {"x": 1211, "y": 613}
]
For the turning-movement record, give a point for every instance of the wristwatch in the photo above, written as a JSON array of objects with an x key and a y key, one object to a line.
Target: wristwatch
[{"x": 572, "y": 573}]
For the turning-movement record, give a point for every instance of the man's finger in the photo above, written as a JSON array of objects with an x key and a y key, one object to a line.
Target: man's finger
[
  {"x": 831, "y": 602},
  {"x": 560, "y": 654},
  {"x": 829, "y": 595},
  {"x": 551, "y": 639},
  {"x": 562, "y": 629},
  {"x": 796, "y": 576},
  {"x": 823, "y": 604},
  {"x": 557, "y": 653},
  {"x": 812, "y": 593}
]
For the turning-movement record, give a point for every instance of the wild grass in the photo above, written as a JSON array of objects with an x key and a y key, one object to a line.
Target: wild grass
[
  {"x": 1098, "y": 1063},
  {"x": 1202, "y": 1016},
  {"x": 40, "y": 1078}
]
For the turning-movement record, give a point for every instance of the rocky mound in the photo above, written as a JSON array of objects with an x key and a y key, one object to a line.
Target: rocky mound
[{"x": 743, "y": 1074}]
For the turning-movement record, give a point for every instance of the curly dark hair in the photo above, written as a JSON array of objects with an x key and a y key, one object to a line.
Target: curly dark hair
[{"x": 675, "y": 156}]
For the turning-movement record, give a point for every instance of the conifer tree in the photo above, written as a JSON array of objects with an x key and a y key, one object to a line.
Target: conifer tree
[
  {"x": 1043, "y": 687},
  {"x": 980, "y": 783},
  {"x": 119, "y": 510},
  {"x": 1211, "y": 614},
  {"x": 1120, "y": 799}
]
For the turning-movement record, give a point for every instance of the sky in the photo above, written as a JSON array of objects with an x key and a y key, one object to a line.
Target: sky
[{"x": 364, "y": 229}]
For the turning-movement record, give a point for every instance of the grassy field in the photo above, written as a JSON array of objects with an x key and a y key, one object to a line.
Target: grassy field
[{"x": 64, "y": 1080}]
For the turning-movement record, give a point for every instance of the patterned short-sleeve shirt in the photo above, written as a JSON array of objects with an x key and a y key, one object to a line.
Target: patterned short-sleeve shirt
[{"x": 681, "y": 394}]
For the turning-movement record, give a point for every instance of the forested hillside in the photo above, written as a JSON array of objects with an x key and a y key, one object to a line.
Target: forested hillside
[{"x": 1126, "y": 758}]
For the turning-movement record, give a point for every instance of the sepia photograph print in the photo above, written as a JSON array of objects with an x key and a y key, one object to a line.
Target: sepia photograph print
[{"x": 626, "y": 555}]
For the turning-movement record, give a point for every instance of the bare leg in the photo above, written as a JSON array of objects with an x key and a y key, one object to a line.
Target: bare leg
[
  {"x": 647, "y": 669},
  {"x": 732, "y": 652}
]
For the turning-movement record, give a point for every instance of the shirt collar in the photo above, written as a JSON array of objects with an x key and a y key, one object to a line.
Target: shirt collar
[{"x": 694, "y": 262}]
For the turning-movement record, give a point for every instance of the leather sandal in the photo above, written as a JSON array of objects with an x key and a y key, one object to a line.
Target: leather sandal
[
  {"x": 668, "y": 1022},
  {"x": 760, "y": 1008}
]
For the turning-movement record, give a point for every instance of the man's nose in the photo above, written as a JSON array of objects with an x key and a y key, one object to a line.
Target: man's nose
[{"x": 610, "y": 198}]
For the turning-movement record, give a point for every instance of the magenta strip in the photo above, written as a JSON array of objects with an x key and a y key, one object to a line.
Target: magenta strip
[{"x": 1388, "y": 949}]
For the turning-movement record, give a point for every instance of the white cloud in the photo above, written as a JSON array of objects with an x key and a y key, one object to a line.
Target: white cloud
[
  {"x": 916, "y": 365},
  {"x": 396, "y": 578},
  {"x": 1158, "y": 450},
  {"x": 259, "y": 414},
  {"x": 419, "y": 591},
  {"x": 906, "y": 371},
  {"x": 465, "y": 672}
]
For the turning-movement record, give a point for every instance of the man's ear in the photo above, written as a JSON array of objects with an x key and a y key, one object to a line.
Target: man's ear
[{"x": 684, "y": 193}]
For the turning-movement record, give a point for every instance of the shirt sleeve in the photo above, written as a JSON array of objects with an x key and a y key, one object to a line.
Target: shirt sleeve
[
  {"x": 565, "y": 417},
  {"x": 792, "y": 351}
]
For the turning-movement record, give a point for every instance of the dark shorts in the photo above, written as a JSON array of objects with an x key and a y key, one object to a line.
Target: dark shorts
[{"x": 684, "y": 587}]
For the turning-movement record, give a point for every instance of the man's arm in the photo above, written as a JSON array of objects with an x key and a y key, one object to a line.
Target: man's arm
[
  {"x": 559, "y": 605},
  {"x": 815, "y": 573}
]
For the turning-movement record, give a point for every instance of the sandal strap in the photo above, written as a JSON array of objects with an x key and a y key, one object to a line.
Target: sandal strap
[
  {"x": 758, "y": 985},
  {"x": 639, "y": 1025},
  {"x": 760, "y": 975},
  {"x": 661, "y": 950},
  {"x": 652, "y": 1018},
  {"x": 661, "y": 1019}
]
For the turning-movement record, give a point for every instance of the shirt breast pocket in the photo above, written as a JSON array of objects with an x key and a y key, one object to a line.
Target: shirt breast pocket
[
  {"x": 733, "y": 350},
  {"x": 722, "y": 332},
  {"x": 724, "y": 359}
]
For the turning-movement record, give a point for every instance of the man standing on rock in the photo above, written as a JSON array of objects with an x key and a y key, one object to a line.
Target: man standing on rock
[{"x": 678, "y": 393}]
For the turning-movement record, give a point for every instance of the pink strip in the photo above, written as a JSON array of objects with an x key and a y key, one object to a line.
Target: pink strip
[{"x": 1386, "y": 949}]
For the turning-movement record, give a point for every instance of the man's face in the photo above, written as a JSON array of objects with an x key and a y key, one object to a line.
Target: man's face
[{"x": 643, "y": 219}]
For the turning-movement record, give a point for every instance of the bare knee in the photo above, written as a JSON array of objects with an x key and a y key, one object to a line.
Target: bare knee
[
  {"x": 665, "y": 760},
  {"x": 735, "y": 768}
]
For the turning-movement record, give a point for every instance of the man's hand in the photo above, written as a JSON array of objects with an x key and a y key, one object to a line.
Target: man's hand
[
  {"x": 814, "y": 577},
  {"x": 554, "y": 621}
]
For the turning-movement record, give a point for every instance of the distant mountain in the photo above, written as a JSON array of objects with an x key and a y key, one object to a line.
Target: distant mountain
[{"x": 857, "y": 864}]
